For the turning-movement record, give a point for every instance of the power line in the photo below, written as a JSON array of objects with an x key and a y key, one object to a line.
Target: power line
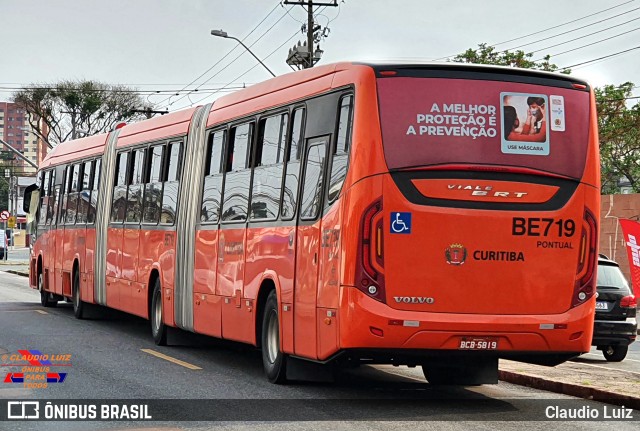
[
  {"x": 576, "y": 29},
  {"x": 7, "y": 89},
  {"x": 590, "y": 44},
  {"x": 600, "y": 58},
  {"x": 587, "y": 35},
  {"x": 251, "y": 68},
  {"x": 553, "y": 27},
  {"x": 563, "y": 24},
  {"x": 225, "y": 56},
  {"x": 231, "y": 62}
]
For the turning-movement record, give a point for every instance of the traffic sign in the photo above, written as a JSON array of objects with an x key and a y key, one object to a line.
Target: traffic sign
[
  {"x": 11, "y": 222},
  {"x": 4, "y": 215}
]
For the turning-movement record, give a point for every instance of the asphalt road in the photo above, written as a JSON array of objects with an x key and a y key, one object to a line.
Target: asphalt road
[{"x": 112, "y": 356}]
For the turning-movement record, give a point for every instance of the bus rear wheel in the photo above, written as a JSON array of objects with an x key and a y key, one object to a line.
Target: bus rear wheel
[
  {"x": 273, "y": 359},
  {"x": 158, "y": 328},
  {"x": 78, "y": 305},
  {"x": 46, "y": 298}
]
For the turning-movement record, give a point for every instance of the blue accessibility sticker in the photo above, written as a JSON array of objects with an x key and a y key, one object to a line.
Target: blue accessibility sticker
[{"x": 400, "y": 222}]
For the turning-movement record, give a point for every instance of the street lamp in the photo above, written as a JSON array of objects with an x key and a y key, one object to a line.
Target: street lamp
[{"x": 220, "y": 33}]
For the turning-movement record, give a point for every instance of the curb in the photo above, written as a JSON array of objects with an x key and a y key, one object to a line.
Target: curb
[
  {"x": 11, "y": 271},
  {"x": 574, "y": 390}
]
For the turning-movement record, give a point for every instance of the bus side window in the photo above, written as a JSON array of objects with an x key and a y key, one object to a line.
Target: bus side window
[
  {"x": 171, "y": 182},
  {"x": 58, "y": 206},
  {"x": 268, "y": 167},
  {"x": 119, "y": 202},
  {"x": 64, "y": 192},
  {"x": 51, "y": 210},
  {"x": 153, "y": 185},
  {"x": 292, "y": 176},
  {"x": 95, "y": 181},
  {"x": 340, "y": 153},
  {"x": 212, "y": 191},
  {"x": 45, "y": 192},
  {"x": 56, "y": 210},
  {"x": 236, "y": 185},
  {"x": 72, "y": 194},
  {"x": 85, "y": 193},
  {"x": 313, "y": 184},
  {"x": 135, "y": 187}
]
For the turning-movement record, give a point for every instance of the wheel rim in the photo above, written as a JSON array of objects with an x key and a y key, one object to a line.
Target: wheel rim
[
  {"x": 273, "y": 337},
  {"x": 609, "y": 351},
  {"x": 157, "y": 315},
  {"x": 40, "y": 282}
]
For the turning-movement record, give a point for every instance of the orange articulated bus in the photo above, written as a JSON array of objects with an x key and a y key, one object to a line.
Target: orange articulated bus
[{"x": 436, "y": 215}]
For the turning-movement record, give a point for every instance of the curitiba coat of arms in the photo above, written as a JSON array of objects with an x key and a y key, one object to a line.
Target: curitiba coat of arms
[{"x": 455, "y": 254}]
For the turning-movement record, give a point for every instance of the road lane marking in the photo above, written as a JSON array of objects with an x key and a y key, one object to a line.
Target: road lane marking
[
  {"x": 599, "y": 357},
  {"x": 23, "y": 311},
  {"x": 171, "y": 359}
]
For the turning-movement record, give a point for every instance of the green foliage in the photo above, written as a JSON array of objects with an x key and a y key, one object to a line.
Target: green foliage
[
  {"x": 486, "y": 54},
  {"x": 618, "y": 122},
  {"x": 619, "y": 132},
  {"x": 71, "y": 109}
]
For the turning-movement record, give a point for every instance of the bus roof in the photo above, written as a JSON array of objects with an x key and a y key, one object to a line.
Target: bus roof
[{"x": 270, "y": 93}]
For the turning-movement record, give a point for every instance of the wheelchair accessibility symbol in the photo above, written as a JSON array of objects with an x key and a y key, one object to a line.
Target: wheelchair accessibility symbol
[{"x": 400, "y": 222}]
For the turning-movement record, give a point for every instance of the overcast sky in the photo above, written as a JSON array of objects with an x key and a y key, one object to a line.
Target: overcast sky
[{"x": 165, "y": 45}]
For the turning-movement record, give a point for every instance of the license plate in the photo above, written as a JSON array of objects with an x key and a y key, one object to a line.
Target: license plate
[
  {"x": 601, "y": 305},
  {"x": 478, "y": 343}
]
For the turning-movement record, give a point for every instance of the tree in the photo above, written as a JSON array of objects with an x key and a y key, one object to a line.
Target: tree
[
  {"x": 486, "y": 54},
  {"x": 71, "y": 109},
  {"x": 619, "y": 133}
]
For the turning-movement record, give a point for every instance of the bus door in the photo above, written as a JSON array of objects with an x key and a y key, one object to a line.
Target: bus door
[
  {"x": 133, "y": 296},
  {"x": 57, "y": 227},
  {"x": 115, "y": 232},
  {"x": 61, "y": 190},
  {"x": 308, "y": 247}
]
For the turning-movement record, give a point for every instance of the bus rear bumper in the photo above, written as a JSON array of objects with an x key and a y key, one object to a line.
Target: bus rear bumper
[{"x": 366, "y": 324}]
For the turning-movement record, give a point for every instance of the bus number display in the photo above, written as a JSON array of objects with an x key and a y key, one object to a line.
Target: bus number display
[{"x": 534, "y": 226}]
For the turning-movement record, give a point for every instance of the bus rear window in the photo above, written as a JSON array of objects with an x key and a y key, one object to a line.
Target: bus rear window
[{"x": 439, "y": 121}]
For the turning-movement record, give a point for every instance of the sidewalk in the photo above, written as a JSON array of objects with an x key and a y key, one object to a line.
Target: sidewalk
[
  {"x": 589, "y": 381},
  {"x": 18, "y": 267}
]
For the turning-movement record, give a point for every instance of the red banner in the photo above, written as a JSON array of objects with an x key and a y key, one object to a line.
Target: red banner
[{"x": 631, "y": 232}]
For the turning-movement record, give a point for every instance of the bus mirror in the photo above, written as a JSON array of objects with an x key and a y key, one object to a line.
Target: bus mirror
[{"x": 31, "y": 198}]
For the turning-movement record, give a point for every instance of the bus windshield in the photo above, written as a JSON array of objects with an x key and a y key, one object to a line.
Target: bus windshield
[{"x": 440, "y": 121}]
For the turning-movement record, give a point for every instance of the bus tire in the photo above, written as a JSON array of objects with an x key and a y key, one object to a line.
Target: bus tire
[
  {"x": 46, "y": 299},
  {"x": 158, "y": 328},
  {"x": 273, "y": 359},
  {"x": 78, "y": 305}
]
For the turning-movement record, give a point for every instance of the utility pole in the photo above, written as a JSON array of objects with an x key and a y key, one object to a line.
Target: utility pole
[{"x": 304, "y": 56}]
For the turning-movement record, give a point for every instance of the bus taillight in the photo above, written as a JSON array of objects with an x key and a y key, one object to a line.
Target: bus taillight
[
  {"x": 584, "y": 287},
  {"x": 369, "y": 278}
]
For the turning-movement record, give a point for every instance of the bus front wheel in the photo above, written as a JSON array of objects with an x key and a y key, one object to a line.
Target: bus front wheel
[
  {"x": 158, "y": 328},
  {"x": 274, "y": 361}
]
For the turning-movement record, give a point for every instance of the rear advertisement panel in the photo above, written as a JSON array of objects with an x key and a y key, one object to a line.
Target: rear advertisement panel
[{"x": 431, "y": 121}]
